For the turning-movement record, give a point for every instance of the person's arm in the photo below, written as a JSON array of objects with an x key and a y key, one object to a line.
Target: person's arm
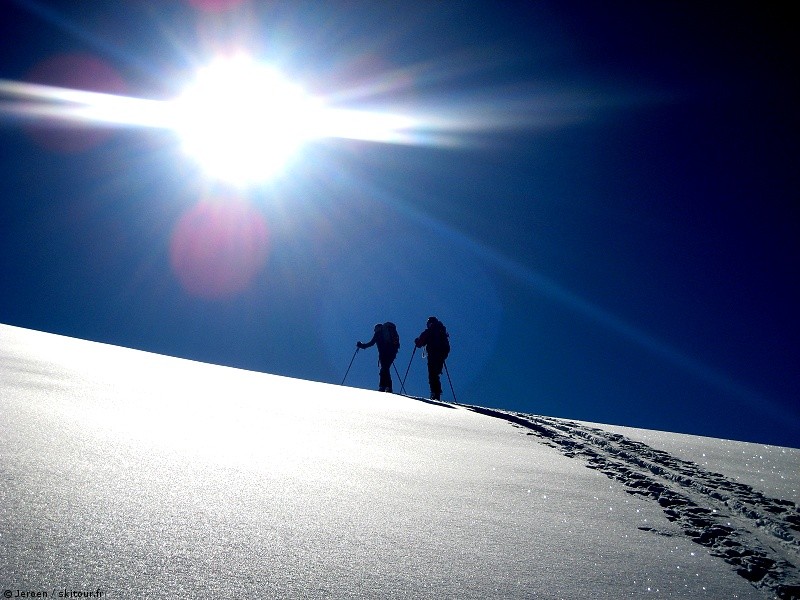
[
  {"x": 422, "y": 339},
  {"x": 369, "y": 343}
]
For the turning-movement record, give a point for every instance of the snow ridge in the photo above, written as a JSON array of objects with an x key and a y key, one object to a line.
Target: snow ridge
[{"x": 758, "y": 535}]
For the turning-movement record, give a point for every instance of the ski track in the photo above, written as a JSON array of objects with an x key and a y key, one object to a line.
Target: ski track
[{"x": 755, "y": 534}]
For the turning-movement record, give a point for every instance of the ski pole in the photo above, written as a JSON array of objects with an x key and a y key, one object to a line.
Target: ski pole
[
  {"x": 451, "y": 382},
  {"x": 403, "y": 383},
  {"x": 350, "y": 365},
  {"x": 402, "y": 388}
]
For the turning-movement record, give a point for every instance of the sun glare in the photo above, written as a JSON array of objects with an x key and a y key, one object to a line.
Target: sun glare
[{"x": 242, "y": 121}]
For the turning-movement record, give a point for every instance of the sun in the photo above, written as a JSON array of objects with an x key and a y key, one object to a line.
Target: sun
[{"x": 242, "y": 121}]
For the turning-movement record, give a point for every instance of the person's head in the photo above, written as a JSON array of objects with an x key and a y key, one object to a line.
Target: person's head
[
  {"x": 431, "y": 321},
  {"x": 378, "y": 326}
]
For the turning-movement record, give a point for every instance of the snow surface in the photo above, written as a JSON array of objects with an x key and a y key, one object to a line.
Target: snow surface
[{"x": 140, "y": 475}]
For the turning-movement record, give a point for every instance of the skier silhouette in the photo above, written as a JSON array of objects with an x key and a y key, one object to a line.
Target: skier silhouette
[
  {"x": 388, "y": 342},
  {"x": 435, "y": 339}
]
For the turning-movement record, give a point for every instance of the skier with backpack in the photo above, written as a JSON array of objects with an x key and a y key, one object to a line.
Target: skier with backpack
[
  {"x": 388, "y": 342},
  {"x": 436, "y": 340}
]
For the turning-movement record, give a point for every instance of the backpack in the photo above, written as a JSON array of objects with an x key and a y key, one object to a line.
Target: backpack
[
  {"x": 390, "y": 337},
  {"x": 438, "y": 340}
]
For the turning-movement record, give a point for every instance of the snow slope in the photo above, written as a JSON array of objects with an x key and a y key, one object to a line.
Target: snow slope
[{"x": 125, "y": 474}]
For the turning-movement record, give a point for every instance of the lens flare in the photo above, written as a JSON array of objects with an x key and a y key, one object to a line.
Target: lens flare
[
  {"x": 218, "y": 247},
  {"x": 214, "y": 6},
  {"x": 77, "y": 71}
]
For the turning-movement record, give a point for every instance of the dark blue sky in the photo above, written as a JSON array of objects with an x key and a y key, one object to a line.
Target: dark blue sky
[{"x": 614, "y": 238}]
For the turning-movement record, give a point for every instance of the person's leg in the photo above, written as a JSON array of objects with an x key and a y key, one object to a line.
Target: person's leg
[
  {"x": 434, "y": 371},
  {"x": 386, "y": 377}
]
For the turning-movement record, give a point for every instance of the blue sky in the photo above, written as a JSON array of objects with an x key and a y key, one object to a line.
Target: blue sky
[{"x": 607, "y": 226}]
